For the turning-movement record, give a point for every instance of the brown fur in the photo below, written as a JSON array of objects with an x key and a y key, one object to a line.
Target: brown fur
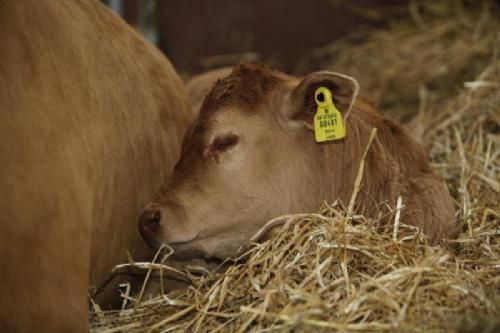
[
  {"x": 212, "y": 205},
  {"x": 246, "y": 86},
  {"x": 91, "y": 122},
  {"x": 198, "y": 86}
]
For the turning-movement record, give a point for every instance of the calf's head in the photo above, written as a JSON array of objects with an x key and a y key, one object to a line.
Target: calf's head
[{"x": 250, "y": 156}]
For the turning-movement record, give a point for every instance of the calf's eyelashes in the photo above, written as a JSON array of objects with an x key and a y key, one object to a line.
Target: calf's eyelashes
[{"x": 220, "y": 144}]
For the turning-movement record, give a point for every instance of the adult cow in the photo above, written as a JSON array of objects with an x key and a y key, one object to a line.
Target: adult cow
[
  {"x": 252, "y": 156},
  {"x": 91, "y": 121}
]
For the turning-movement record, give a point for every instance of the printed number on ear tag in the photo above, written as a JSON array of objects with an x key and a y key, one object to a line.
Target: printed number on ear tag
[{"x": 328, "y": 122}]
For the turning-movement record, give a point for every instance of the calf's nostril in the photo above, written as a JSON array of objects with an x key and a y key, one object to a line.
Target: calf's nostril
[{"x": 149, "y": 222}]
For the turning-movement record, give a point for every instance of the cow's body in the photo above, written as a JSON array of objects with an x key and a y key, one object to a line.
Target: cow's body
[
  {"x": 251, "y": 156},
  {"x": 91, "y": 121}
]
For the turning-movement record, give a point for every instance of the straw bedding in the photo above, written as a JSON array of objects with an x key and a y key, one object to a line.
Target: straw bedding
[{"x": 437, "y": 69}]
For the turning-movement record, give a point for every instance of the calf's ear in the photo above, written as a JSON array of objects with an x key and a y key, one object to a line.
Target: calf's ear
[{"x": 302, "y": 106}]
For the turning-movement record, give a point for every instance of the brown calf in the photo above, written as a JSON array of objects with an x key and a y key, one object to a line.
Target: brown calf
[
  {"x": 252, "y": 156},
  {"x": 91, "y": 122}
]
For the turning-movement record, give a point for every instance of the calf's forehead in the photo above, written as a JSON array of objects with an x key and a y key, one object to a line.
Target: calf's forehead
[
  {"x": 229, "y": 119},
  {"x": 244, "y": 90}
]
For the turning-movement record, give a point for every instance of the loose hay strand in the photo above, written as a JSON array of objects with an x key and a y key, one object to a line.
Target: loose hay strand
[{"x": 359, "y": 176}]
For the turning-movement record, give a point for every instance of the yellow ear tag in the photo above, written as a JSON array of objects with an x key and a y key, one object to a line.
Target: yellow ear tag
[{"x": 328, "y": 122}]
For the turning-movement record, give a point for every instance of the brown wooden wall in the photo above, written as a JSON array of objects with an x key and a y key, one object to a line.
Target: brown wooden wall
[
  {"x": 198, "y": 35},
  {"x": 202, "y": 34}
]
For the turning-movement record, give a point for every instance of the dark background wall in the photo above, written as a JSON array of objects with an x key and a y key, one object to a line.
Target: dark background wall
[{"x": 198, "y": 35}]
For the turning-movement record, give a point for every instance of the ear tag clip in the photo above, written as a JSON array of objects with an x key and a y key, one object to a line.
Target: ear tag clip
[{"x": 328, "y": 122}]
